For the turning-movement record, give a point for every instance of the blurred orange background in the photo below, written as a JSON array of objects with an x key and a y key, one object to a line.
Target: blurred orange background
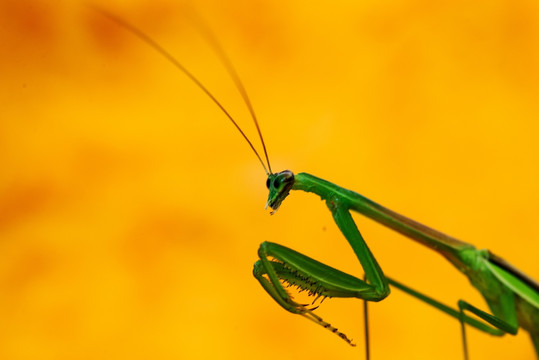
[{"x": 131, "y": 211}]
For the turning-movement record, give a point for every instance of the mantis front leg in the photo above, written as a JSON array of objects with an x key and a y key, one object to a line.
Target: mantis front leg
[{"x": 292, "y": 268}]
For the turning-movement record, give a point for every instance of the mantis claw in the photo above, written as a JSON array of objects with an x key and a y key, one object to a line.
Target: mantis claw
[{"x": 276, "y": 275}]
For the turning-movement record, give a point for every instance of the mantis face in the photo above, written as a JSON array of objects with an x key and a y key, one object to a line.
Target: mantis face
[{"x": 279, "y": 186}]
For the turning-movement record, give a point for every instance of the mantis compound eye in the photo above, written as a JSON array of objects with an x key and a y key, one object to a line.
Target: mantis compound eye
[
  {"x": 285, "y": 178},
  {"x": 268, "y": 183}
]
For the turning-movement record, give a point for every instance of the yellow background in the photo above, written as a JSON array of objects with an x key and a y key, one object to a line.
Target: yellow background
[{"x": 131, "y": 211}]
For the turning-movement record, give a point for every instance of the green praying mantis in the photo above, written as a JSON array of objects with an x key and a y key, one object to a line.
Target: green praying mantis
[{"x": 512, "y": 297}]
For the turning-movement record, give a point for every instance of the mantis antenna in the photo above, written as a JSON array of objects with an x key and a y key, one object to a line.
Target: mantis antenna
[
  {"x": 224, "y": 59},
  {"x": 215, "y": 44}
]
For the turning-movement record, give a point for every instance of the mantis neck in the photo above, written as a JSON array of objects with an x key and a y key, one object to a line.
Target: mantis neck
[{"x": 446, "y": 245}]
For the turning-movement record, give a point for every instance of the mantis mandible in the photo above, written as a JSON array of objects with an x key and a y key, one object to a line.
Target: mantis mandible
[{"x": 513, "y": 297}]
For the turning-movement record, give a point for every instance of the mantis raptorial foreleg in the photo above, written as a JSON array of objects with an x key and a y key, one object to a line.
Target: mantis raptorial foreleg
[
  {"x": 319, "y": 279},
  {"x": 277, "y": 270}
]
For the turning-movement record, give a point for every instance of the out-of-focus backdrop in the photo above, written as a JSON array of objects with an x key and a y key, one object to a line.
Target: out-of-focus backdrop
[{"x": 131, "y": 211}]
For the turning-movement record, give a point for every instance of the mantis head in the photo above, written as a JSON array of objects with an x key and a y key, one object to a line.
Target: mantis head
[{"x": 279, "y": 185}]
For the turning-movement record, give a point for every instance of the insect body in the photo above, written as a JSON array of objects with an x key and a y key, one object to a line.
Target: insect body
[{"x": 512, "y": 297}]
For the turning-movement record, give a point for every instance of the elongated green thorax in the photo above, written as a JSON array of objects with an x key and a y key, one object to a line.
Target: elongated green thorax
[{"x": 446, "y": 245}]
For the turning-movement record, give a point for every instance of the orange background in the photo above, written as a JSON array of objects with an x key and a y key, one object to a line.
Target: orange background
[{"x": 131, "y": 211}]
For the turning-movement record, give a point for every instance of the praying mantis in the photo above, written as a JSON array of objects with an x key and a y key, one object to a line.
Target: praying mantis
[{"x": 513, "y": 298}]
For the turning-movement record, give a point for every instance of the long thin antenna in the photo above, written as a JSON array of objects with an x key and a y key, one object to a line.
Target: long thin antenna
[
  {"x": 216, "y": 45},
  {"x": 176, "y": 63}
]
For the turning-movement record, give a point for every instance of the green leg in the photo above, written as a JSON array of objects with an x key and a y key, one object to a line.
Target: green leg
[
  {"x": 496, "y": 331},
  {"x": 279, "y": 265},
  {"x": 275, "y": 290},
  {"x": 463, "y": 333},
  {"x": 498, "y": 323},
  {"x": 312, "y": 275},
  {"x": 499, "y": 327},
  {"x": 377, "y": 286},
  {"x": 495, "y": 321},
  {"x": 366, "y": 322}
]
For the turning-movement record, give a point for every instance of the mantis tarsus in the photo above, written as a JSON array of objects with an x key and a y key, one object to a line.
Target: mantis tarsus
[{"x": 513, "y": 298}]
